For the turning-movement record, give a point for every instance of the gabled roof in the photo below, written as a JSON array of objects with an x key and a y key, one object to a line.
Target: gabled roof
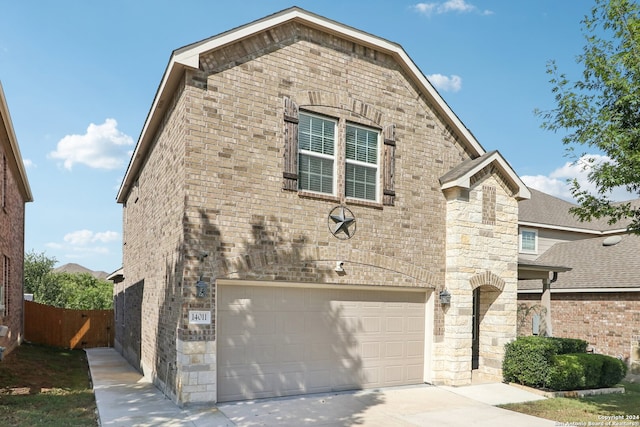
[
  {"x": 10, "y": 145},
  {"x": 546, "y": 211},
  {"x": 460, "y": 176},
  {"x": 188, "y": 57},
  {"x": 595, "y": 264}
]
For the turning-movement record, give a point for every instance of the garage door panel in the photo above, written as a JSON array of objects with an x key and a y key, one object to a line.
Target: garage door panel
[
  {"x": 276, "y": 341},
  {"x": 415, "y": 349},
  {"x": 371, "y": 350}
]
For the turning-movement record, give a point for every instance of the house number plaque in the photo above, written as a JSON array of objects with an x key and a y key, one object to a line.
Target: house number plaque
[{"x": 199, "y": 317}]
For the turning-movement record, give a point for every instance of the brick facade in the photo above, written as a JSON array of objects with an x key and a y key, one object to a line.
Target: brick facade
[
  {"x": 14, "y": 193},
  {"x": 208, "y": 204}
]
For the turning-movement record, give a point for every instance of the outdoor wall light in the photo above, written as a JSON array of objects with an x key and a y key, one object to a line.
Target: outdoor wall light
[
  {"x": 201, "y": 288},
  {"x": 445, "y": 297},
  {"x": 339, "y": 267}
]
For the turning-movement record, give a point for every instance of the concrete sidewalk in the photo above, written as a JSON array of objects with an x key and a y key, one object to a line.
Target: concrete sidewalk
[{"x": 124, "y": 398}]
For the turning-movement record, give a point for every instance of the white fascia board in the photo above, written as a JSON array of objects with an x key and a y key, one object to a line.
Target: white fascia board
[
  {"x": 464, "y": 181},
  {"x": 14, "y": 147},
  {"x": 171, "y": 74},
  {"x": 571, "y": 229},
  {"x": 580, "y": 290}
]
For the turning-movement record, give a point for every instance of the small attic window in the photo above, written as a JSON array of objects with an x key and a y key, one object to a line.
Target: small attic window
[{"x": 611, "y": 240}]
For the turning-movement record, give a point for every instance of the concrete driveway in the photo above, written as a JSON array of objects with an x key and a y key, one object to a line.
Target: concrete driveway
[
  {"x": 125, "y": 398},
  {"x": 388, "y": 407}
]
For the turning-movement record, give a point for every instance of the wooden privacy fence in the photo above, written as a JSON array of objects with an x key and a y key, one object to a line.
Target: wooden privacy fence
[{"x": 59, "y": 327}]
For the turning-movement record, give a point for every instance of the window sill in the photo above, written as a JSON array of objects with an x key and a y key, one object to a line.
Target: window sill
[
  {"x": 367, "y": 203},
  {"x": 525, "y": 252},
  {"x": 318, "y": 196}
]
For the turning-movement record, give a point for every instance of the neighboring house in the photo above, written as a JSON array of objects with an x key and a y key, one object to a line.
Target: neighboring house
[
  {"x": 597, "y": 296},
  {"x": 14, "y": 194},
  {"x": 304, "y": 213}
]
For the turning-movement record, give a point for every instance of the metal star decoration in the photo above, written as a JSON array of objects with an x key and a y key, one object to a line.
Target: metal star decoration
[{"x": 343, "y": 220}]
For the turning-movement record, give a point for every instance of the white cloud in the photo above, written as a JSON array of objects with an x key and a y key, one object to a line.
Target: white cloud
[
  {"x": 87, "y": 237},
  {"x": 556, "y": 183},
  {"x": 451, "y": 83},
  {"x": 101, "y": 147},
  {"x": 459, "y": 6},
  {"x": 28, "y": 163}
]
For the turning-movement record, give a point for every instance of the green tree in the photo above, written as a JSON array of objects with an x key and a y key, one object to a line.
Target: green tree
[
  {"x": 36, "y": 268},
  {"x": 601, "y": 110},
  {"x": 79, "y": 291}
]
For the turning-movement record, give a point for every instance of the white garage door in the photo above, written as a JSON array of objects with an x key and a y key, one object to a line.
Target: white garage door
[{"x": 278, "y": 341}]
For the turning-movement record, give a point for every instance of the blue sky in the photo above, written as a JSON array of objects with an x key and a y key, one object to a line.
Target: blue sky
[{"x": 80, "y": 77}]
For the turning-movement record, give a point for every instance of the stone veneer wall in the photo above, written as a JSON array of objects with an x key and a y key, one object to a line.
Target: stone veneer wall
[{"x": 478, "y": 255}]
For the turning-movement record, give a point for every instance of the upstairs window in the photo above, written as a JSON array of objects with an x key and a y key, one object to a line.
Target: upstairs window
[
  {"x": 316, "y": 156},
  {"x": 528, "y": 241},
  {"x": 329, "y": 156},
  {"x": 361, "y": 168}
]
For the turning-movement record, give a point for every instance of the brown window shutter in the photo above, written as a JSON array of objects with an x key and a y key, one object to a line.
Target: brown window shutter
[
  {"x": 290, "y": 173},
  {"x": 389, "y": 167}
]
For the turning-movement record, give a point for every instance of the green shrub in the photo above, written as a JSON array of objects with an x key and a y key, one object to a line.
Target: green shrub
[
  {"x": 613, "y": 371},
  {"x": 584, "y": 371},
  {"x": 566, "y": 373},
  {"x": 559, "y": 364},
  {"x": 570, "y": 345},
  {"x": 527, "y": 360}
]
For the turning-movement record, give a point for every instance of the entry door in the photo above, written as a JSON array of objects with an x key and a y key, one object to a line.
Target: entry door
[{"x": 475, "y": 343}]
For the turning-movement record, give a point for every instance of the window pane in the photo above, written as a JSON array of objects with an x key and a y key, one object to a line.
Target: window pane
[
  {"x": 360, "y": 182},
  {"x": 316, "y": 174},
  {"x": 528, "y": 239},
  {"x": 316, "y": 134},
  {"x": 362, "y": 145}
]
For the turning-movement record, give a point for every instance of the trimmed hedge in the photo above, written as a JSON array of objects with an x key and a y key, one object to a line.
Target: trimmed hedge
[
  {"x": 584, "y": 371},
  {"x": 559, "y": 364},
  {"x": 527, "y": 361},
  {"x": 569, "y": 345}
]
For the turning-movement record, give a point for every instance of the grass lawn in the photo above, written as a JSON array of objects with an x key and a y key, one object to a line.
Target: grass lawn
[
  {"x": 588, "y": 409},
  {"x": 46, "y": 386}
]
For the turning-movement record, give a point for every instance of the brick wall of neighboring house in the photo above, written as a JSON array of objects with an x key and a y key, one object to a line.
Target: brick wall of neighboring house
[
  {"x": 11, "y": 251},
  {"x": 212, "y": 184},
  {"x": 608, "y": 321}
]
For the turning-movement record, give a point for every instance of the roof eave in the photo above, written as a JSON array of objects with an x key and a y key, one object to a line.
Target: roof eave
[
  {"x": 23, "y": 181},
  {"x": 189, "y": 57},
  {"x": 464, "y": 181}
]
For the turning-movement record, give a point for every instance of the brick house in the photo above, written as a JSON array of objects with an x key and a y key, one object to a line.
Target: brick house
[
  {"x": 304, "y": 213},
  {"x": 596, "y": 294},
  {"x": 14, "y": 194}
]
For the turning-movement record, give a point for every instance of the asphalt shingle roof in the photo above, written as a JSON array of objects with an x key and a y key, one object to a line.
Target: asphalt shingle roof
[
  {"x": 544, "y": 208},
  {"x": 593, "y": 264}
]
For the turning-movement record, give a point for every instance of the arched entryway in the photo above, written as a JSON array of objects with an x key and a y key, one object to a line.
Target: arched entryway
[{"x": 486, "y": 289}]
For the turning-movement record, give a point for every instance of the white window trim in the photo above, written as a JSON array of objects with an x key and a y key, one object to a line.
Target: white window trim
[
  {"x": 528, "y": 251},
  {"x": 369, "y": 165},
  {"x": 334, "y": 158}
]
